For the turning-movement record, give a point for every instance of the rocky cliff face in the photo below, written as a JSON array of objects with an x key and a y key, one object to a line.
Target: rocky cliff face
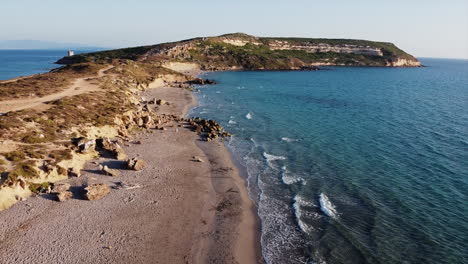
[
  {"x": 324, "y": 47},
  {"x": 404, "y": 63}
]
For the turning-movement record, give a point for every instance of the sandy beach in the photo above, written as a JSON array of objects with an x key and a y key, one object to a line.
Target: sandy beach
[{"x": 174, "y": 211}]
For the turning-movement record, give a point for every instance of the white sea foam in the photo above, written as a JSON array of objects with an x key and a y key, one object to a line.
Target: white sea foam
[
  {"x": 299, "y": 213},
  {"x": 289, "y": 139},
  {"x": 232, "y": 122},
  {"x": 248, "y": 116},
  {"x": 270, "y": 158},
  {"x": 289, "y": 178},
  {"x": 327, "y": 207}
]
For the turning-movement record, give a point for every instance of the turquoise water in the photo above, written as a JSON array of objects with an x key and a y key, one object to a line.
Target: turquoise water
[
  {"x": 15, "y": 63},
  {"x": 352, "y": 165}
]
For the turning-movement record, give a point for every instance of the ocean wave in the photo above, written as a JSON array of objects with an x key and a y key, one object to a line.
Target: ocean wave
[
  {"x": 289, "y": 139},
  {"x": 232, "y": 122},
  {"x": 299, "y": 202},
  {"x": 254, "y": 142},
  {"x": 248, "y": 115},
  {"x": 327, "y": 207},
  {"x": 288, "y": 178},
  {"x": 270, "y": 158}
]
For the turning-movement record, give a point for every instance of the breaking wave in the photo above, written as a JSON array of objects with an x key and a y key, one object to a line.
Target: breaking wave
[
  {"x": 248, "y": 116},
  {"x": 289, "y": 139},
  {"x": 327, "y": 207},
  {"x": 289, "y": 178},
  {"x": 299, "y": 202}
]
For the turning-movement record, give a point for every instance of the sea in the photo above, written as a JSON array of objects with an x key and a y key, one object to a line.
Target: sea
[
  {"x": 351, "y": 165},
  {"x": 16, "y": 63},
  {"x": 345, "y": 165}
]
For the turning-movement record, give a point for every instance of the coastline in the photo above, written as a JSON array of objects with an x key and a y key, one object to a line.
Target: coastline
[{"x": 204, "y": 212}]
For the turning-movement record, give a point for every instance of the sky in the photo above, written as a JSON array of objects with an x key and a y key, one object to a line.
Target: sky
[{"x": 424, "y": 28}]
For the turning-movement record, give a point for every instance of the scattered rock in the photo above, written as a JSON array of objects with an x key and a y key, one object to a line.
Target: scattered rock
[
  {"x": 123, "y": 185},
  {"x": 136, "y": 164},
  {"x": 86, "y": 145},
  {"x": 207, "y": 129},
  {"x": 110, "y": 172},
  {"x": 60, "y": 187},
  {"x": 74, "y": 172},
  {"x": 197, "y": 159},
  {"x": 96, "y": 191},
  {"x": 160, "y": 102},
  {"x": 61, "y": 190},
  {"x": 22, "y": 182},
  {"x": 147, "y": 122},
  {"x": 63, "y": 196},
  {"x": 200, "y": 81},
  {"x": 113, "y": 147}
]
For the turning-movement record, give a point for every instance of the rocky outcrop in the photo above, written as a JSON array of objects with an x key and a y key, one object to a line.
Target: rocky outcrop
[
  {"x": 312, "y": 47},
  {"x": 61, "y": 191},
  {"x": 404, "y": 63},
  {"x": 112, "y": 147},
  {"x": 96, "y": 191},
  {"x": 208, "y": 129},
  {"x": 136, "y": 164},
  {"x": 110, "y": 172},
  {"x": 200, "y": 81},
  {"x": 86, "y": 145}
]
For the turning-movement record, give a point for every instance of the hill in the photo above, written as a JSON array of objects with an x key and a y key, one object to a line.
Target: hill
[{"x": 240, "y": 51}]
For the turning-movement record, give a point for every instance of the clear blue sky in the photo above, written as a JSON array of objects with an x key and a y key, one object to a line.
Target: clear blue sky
[{"x": 425, "y": 28}]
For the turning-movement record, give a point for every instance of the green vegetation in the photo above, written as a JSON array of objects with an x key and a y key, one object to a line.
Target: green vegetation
[
  {"x": 16, "y": 155},
  {"x": 253, "y": 57},
  {"x": 107, "y": 56},
  {"x": 39, "y": 187},
  {"x": 214, "y": 54},
  {"x": 25, "y": 169}
]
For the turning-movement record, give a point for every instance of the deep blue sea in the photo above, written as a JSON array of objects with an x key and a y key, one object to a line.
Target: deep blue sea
[
  {"x": 16, "y": 63},
  {"x": 352, "y": 165}
]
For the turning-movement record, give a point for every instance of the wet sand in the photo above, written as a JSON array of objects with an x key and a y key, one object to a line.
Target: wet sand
[{"x": 174, "y": 211}]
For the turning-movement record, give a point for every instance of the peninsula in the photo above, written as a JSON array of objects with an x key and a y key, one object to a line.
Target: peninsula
[{"x": 101, "y": 150}]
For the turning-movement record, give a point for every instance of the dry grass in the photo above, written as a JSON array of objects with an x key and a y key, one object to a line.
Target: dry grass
[
  {"x": 45, "y": 135},
  {"x": 47, "y": 83}
]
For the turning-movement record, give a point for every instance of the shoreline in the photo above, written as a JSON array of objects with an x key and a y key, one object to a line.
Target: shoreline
[{"x": 227, "y": 229}]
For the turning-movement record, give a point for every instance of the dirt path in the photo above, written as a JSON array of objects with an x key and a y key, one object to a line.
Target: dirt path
[{"x": 79, "y": 86}]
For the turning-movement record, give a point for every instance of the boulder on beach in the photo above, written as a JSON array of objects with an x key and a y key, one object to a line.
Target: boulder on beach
[
  {"x": 86, "y": 145},
  {"x": 60, "y": 187},
  {"x": 61, "y": 190},
  {"x": 63, "y": 196},
  {"x": 113, "y": 147},
  {"x": 96, "y": 191},
  {"x": 197, "y": 159},
  {"x": 161, "y": 102},
  {"x": 110, "y": 172},
  {"x": 136, "y": 164}
]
